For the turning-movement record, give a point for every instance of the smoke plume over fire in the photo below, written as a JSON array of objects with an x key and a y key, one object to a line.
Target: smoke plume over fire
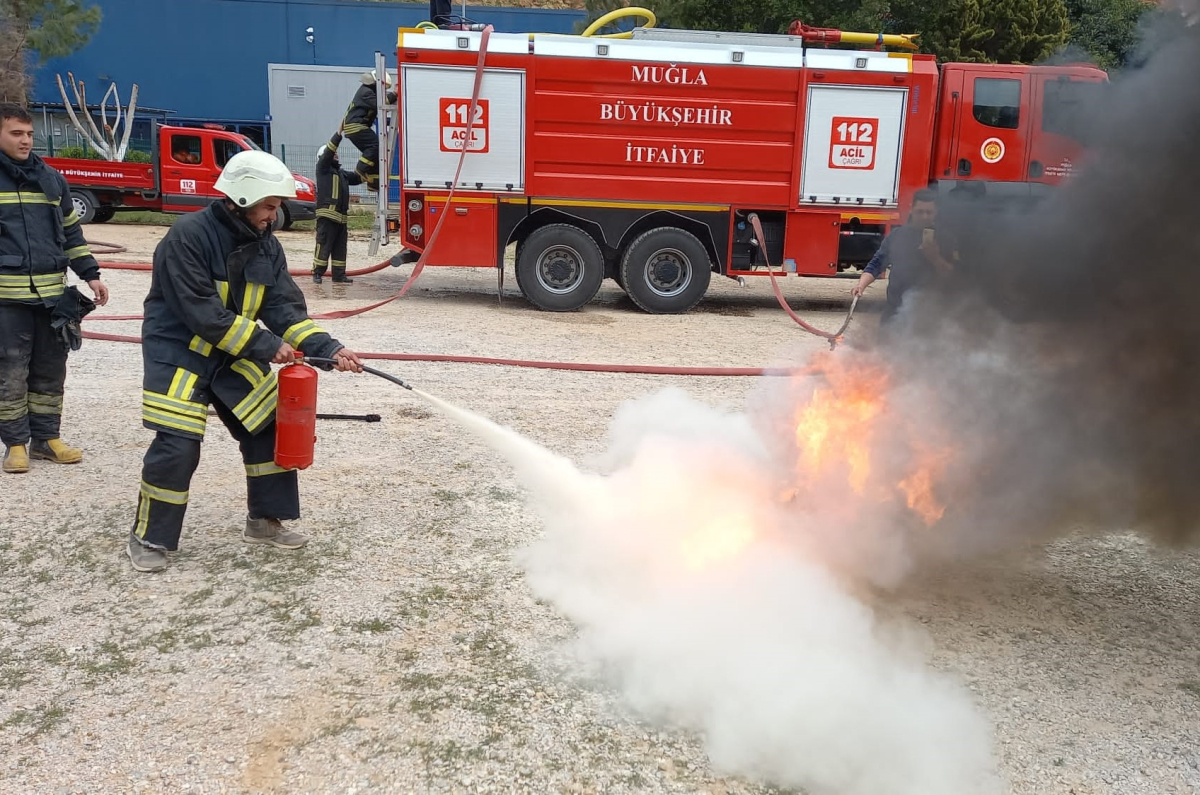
[{"x": 723, "y": 568}]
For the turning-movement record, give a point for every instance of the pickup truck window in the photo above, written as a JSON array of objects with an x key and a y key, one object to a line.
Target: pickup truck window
[
  {"x": 224, "y": 149},
  {"x": 185, "y": 149}
]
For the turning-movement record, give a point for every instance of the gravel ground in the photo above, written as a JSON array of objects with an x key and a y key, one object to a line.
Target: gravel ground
[{"x": 402, "y": 651}]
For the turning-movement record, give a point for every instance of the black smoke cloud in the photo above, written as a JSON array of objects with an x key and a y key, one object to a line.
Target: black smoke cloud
[{"x": 1066, "y": 358}]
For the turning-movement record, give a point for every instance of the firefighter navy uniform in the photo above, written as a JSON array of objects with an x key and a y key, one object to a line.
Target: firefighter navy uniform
[
  {"x": 40, "y": 237},
  {"x": 357, "y": 125},
  {"x": 214, "y": 281},
  {"x": 333, "y": 207}
]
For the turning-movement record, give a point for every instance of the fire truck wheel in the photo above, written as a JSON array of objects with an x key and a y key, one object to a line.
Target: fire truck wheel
[
  {"x": 666, "y": 271},
  {"x": 104, "y": 215},
  {"x": 559, "y": 268},
  {"x": 84, "y": 204}
]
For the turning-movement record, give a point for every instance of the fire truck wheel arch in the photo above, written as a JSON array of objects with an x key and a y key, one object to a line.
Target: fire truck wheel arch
[
  {"x": 666, "y": 271},
  {"x": 559, "y": 268}
]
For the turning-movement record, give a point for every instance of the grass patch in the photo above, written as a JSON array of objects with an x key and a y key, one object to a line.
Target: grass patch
[
  {"x": 1191, "y": 687},
  {"x": 143, "y": 218},
  {"x": 39, "y": 720},
  {"x": 371, "y": 625},
  {"x": 109, "y": 658},
  {"x": 446, "y": 496}
]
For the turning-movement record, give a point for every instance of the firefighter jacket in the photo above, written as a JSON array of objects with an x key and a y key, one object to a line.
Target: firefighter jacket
[
  {"x": 214, "y": 279},
  {"x": 333, "y": 183},
  {"x": 363, "y": 109},
  {"x": 40, "y": 235}
]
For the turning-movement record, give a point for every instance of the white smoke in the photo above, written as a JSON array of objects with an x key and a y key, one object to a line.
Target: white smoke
[{"x": 692, "y": 588}]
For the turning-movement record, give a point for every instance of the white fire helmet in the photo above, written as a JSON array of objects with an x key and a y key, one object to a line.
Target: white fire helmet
[
  {"x": 372, "y": 77},
  {"x": 251, "y": 176}
]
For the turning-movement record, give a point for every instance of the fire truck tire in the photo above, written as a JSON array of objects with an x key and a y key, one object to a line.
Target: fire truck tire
[
  {"x": 104, "y": 215},
  {"x": 666, "y": 271},
  {"x": 559, "y": 268},
  {"x": 84, "y": 204}
]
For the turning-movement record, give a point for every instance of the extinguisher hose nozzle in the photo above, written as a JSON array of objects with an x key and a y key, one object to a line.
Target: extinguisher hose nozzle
[{"x": 371, "y": 370}]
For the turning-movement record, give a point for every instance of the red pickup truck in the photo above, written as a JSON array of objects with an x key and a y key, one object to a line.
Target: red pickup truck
[{"x": 186, "y": 162}]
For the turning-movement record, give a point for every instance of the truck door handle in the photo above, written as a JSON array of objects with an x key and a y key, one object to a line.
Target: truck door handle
[
  {"x": 460, "y": 210},
  {"x": 964, "y": 167},
  {"x": 1036, "y": 169}
]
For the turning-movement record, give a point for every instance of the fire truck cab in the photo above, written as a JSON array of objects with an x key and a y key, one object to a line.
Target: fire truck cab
[{"x": 641, "y": 160}]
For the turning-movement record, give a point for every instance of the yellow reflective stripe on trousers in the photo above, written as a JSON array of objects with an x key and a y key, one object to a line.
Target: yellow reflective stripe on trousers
[
  {"x": 164, "y": 495},
  {"x": 198, "y": 345},
  {"x": 45, "y": 404},
  {"x": 78, "y": 251},
  {"x": 262, "y": 470},
  {"x": 238, "y": 335},
  {"x": 333, "y": 215},
  {"x": 22, "y": 197},
  {"x": 350, "y": 129},
  {"x": 13, "y": 409},
  {"x": 252, "y": 301},
  {"x": 298, "y": 333}
]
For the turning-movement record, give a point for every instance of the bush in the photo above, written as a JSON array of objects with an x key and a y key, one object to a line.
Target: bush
[
  {"x": 77, "y": 153},
  {"x": 135, "y": 156}
]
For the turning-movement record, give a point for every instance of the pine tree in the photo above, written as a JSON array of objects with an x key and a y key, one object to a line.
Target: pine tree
[{"x": 50, "y": 28}]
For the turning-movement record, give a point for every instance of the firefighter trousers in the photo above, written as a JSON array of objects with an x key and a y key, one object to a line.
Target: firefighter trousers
[
  {"x": 33, "y": 369},
  {"x": 331, "y": 247},
  {"x": 167, "y": 469},
  {"x": 368, "y": 163}
]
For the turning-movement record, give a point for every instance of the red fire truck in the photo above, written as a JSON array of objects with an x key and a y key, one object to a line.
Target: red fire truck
[
  {"x": 186, "y": 162},
  {"x": 641, "y": 159}
]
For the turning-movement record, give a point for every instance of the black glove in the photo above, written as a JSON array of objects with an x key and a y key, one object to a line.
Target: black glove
[{"x": 71, "y": 308}]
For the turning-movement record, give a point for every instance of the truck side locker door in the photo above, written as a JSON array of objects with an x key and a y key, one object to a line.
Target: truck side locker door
[
  {"x": 1060, "y": 125},
  {"x": 993, "y": 127},
  {"x": 184, "y": 168}
]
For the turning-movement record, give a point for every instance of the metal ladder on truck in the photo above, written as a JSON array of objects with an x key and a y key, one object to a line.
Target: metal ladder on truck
[{"x": 387, "y": 131}]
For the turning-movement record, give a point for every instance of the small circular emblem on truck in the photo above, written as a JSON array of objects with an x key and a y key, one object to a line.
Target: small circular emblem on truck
[{"x": 992, "y": 150}]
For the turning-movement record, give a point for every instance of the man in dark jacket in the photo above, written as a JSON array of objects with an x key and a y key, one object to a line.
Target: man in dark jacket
[
  {"x": 333, "y": 206},
  {"x": 358, "y": 122},
  {"x": 914, "y": 253},
  {"x": 40, "y": 237},
  {"x": 217, "y": 273}
]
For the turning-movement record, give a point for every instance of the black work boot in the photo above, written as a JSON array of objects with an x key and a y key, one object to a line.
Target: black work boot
[
  {"x": 340, "y": 277},
  {"x": 316, "y": 277}
]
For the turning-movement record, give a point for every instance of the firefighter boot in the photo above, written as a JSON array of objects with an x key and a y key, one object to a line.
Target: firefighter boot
[
  {"x": 340, "y": 277},
  {"x": 144, "y": 558},
  {"x": 16, "y": 459},
  {"x": 316, "y": 277},
  {"x": 272, "y": 531},
  {"x": 54, "y": 450}
]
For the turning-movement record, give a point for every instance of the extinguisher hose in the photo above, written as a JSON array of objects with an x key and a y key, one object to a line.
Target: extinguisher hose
[
  {"x": 833, "y": 337},
  {"x": 371, "y": 370}
]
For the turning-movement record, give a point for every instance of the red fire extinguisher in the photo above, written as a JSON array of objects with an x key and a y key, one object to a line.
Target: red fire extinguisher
[{"x": 296, "y": 416}]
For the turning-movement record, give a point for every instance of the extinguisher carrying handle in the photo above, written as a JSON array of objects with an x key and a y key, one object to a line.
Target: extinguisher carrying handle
[{"x": 371, "y": 370}]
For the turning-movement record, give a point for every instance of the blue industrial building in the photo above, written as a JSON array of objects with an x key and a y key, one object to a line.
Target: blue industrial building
[{"x": 206, "y": 60}]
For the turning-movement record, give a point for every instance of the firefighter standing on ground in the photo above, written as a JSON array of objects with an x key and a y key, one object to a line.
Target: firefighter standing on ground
[
  {"x": 216, "y": 273},
  {"x": 914, "y": 254},
  {"x": 333, "y": 205},
  {"x": 360, "y": 118},
  {"x": 40, "y": 237}
]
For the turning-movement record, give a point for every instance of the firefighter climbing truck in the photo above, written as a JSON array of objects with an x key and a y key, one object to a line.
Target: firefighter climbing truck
[{"x": 641, "y": 159}]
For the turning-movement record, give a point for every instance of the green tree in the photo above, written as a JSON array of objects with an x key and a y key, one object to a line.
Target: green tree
[
  {"x": 1107, "y": 30},
  {"x": 49, "y": 28}
]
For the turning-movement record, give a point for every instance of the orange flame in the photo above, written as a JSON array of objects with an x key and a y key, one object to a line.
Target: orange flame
[{"x": 835, "y": 431}]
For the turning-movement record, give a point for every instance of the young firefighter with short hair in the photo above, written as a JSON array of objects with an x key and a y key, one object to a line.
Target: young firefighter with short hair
[
  {"x": 40, "y": 238},
  {"x": 333, "y": 206},
  {"x": 217, "y": 273}
]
